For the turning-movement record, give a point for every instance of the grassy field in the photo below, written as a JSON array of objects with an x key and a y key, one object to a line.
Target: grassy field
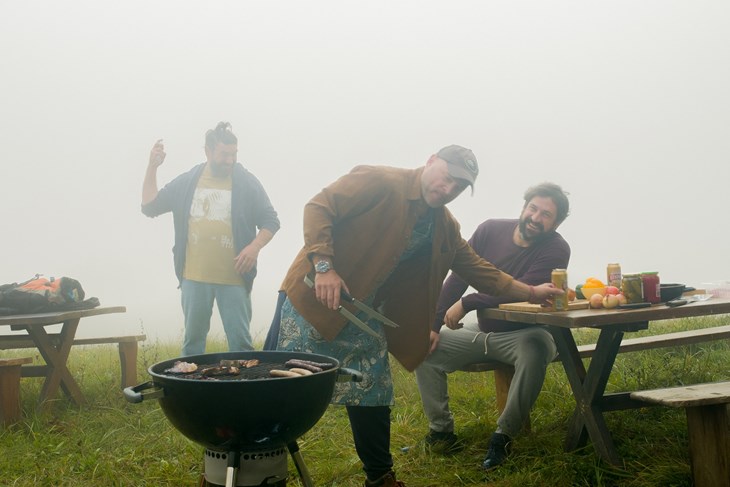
[{"x": 112, "y": 443}]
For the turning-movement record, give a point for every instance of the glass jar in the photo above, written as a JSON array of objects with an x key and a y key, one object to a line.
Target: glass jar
[
  {"x": 631, "y": 287},
  {"x": 650, "y": 285}
]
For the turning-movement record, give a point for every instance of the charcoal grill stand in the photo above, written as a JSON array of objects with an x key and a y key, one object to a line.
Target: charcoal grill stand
[
  {"x": 299, "y": 463},
  {"x": 234, "y": 465}
]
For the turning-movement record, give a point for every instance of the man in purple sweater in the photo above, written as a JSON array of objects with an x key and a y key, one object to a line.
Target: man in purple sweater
[{"x": 529, "y": 249}]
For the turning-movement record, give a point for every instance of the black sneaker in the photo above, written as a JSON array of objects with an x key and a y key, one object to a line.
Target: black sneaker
[
  {"x": 444, "y": 441},
  {"x": 499, "y": 448}
]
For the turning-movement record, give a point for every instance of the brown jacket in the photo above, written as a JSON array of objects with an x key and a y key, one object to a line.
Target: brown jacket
[{"x": 363, "y": 221}]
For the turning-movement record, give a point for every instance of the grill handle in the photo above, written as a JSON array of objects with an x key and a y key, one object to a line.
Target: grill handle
[
  {"x": 348, "y": 375},
  {"x": 134, "y": 394}
]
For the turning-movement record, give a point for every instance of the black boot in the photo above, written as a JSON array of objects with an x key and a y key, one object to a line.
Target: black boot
[
  {"x": 499, "y": 448},
  {"x": 444, "y": 442},
  {"x": 387, "y": 480}
]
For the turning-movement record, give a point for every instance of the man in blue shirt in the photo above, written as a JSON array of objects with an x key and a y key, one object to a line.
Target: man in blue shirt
[{"x": 217, "y": 207}]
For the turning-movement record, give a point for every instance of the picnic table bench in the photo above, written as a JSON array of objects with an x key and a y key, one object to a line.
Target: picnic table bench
[
  {"x": 706, "y": 406},
  {"x": 503, "y": 372},
  {"x": 588, "y": 381},
  {"x": 127, "y": 345}
]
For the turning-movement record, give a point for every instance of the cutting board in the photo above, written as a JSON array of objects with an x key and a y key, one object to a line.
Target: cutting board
[
  {"x": 693, "y": 292},
  {"x": 536, "y": 308}
]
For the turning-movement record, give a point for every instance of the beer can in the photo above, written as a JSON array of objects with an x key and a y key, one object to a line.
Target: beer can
[
  {"x": 559, "y": 279},
  {"x": 613, "y": 275}
]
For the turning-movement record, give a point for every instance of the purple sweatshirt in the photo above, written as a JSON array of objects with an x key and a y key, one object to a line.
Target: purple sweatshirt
[{"x": 492, "y": 240}]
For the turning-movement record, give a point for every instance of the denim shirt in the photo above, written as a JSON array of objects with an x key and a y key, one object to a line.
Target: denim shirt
[{"x": 251, "y": 209}]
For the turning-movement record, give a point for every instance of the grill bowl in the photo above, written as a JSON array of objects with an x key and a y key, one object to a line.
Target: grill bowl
[{"x": 246, "y": 415}]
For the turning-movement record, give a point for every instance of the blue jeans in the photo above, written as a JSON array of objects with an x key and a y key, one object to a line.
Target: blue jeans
[{"x": 234, "y": 306}]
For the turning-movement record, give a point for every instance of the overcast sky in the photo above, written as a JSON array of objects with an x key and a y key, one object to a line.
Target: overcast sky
[{"x": 625, "y": 104}]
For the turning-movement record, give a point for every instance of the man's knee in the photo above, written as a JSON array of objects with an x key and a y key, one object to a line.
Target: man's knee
[{"x": 537, "y": 349}]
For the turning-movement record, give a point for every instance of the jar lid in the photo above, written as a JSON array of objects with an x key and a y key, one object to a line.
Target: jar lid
[{"x": 649, "y": 273}]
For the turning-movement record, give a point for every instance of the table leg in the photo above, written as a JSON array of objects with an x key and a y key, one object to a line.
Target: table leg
[
  {"x": 57, "y": 373},
  {"x": 709, "y": 444},
  {"x": 588, "y": 388}
]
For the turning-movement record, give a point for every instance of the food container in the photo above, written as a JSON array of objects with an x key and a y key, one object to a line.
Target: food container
[
  {"x": 670, "y": 291},
  {"x": 719, "y": 289},
  {"x": 631, "y": 287},
  {"x": 651, "y": 287}
]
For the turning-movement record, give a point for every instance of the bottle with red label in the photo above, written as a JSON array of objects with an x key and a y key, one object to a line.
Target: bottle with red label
[{"x": 613, "y": 275}]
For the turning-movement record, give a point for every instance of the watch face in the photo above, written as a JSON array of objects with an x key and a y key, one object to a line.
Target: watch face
[{"x": 322, "y": 266}]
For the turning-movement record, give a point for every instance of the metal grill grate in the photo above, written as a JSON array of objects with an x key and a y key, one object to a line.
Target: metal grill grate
[{"x": 257, "y": 372}]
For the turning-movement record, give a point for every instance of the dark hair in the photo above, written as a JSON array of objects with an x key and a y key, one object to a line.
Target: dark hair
[
  {"x": 555, "y": 193},
  {"x": 221, "y": 134}
]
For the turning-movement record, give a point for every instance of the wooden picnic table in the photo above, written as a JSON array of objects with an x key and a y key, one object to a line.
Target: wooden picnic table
[
  {"x": 588, "y": 386},
  {"x": 54, "y": 352}
]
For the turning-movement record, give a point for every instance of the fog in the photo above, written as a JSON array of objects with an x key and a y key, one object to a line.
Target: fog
[{"x": 625, "y": 104}]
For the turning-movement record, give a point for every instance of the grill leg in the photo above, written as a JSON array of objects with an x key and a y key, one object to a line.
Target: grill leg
[
  {"x": 234, "y": 459},
  {"x": 299, "y": 463}
]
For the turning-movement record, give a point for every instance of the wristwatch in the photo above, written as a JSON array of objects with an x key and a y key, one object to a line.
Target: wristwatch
[{"x": 322, "y": 266}]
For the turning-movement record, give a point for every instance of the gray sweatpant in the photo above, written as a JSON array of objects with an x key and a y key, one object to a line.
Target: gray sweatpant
[{"x": 530, "y": 350}]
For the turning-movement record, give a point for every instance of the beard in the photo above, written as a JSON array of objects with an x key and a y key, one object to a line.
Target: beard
[
  {"x": 531, "y": 237},
  {"x": 220, "y": 170}
]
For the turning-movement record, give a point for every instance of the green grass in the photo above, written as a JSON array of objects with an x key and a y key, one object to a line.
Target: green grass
[{"x": 113, "y": 443}]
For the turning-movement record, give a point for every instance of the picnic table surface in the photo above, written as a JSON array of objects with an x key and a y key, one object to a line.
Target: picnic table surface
[
  {"x": 589, "y": 385},
  {"x": 55, "y": 353}
]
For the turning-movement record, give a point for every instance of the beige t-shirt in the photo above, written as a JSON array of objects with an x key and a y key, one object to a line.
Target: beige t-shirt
[{"x": 210, "y": 250}]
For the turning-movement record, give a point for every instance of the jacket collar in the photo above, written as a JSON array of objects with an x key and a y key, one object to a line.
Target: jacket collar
[{"x": 414, "y": 188}]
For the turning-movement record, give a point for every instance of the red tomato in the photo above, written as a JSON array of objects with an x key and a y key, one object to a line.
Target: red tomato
[{"x": 612, "y": 290}]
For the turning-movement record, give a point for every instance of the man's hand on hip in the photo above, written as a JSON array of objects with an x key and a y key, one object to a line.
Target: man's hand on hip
[{"x": 246, "y": 260}]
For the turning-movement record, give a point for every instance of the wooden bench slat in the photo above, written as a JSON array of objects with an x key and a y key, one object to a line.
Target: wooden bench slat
[
  {"x": 687, "y": 396},
  {"x": 11, "y": 342},
  {"x": 674, "y": 339},
  {"x": 707, "y": 426},
  {"x": 503, "y": 372},
  {"x": 633, "y": 345},
  {"x": 127, "y": 352},
  {"x": 10, "y": 362}
]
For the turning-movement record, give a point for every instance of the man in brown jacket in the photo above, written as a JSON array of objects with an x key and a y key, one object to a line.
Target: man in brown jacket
[{"x": 383, "y": 235}]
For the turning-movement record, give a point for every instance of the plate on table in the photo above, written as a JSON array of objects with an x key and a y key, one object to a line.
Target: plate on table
[{"x": 698, "y": 297}]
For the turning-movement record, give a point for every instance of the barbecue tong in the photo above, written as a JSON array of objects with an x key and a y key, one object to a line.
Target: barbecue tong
[{"x": 344, "y": 296}]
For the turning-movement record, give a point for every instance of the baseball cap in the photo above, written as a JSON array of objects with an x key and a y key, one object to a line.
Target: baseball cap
[{"x": 462, "y": 163}]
